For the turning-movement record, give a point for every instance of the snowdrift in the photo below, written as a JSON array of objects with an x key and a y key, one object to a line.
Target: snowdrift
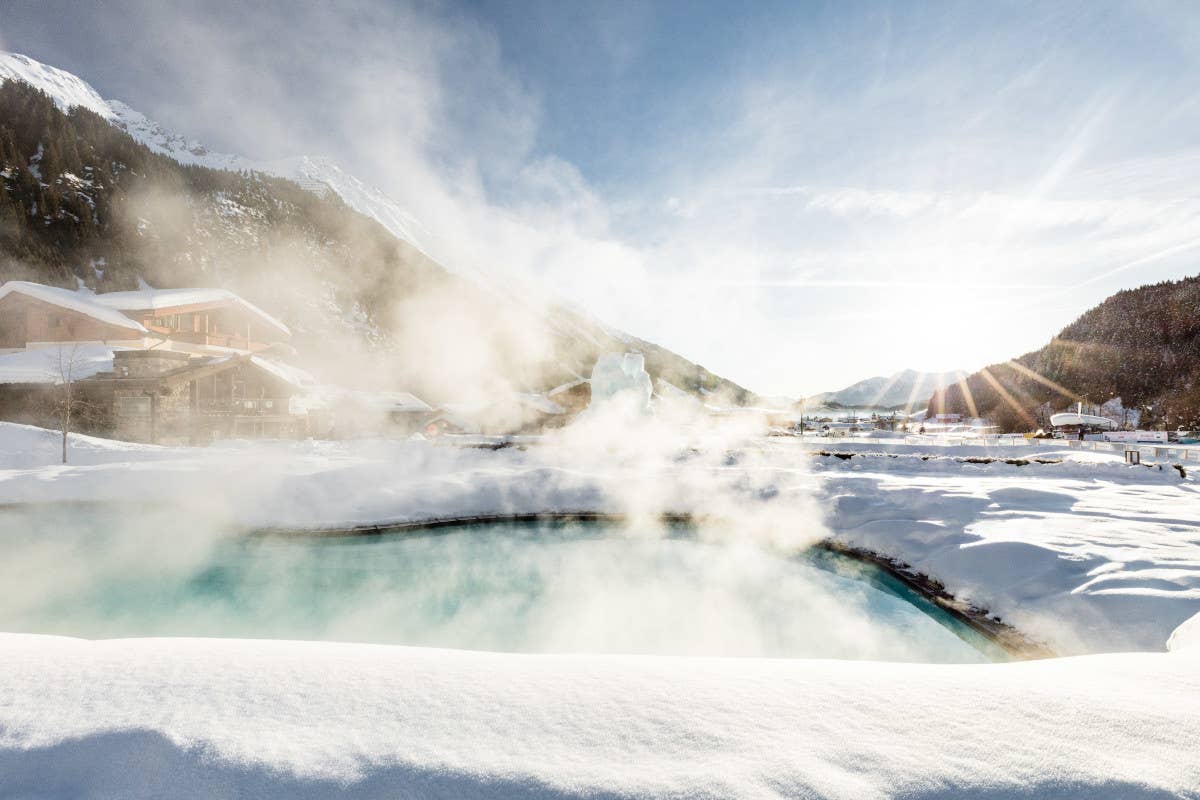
[{"x": 221, "y": 718}]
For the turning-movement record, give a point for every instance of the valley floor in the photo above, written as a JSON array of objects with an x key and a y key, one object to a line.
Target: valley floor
[{"x": 1089, "y": 555}]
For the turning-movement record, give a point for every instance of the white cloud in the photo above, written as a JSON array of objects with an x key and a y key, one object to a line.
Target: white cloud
[{"x": 957, "y": 170}]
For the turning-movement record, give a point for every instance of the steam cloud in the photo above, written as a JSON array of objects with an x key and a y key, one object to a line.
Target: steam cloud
[{"x": 120, "y": 571}]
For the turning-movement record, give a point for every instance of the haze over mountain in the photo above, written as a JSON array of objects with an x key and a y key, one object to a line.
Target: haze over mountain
[
  {"x": 1141, "y": 346},
  {"x": 907, "y": 389},
  {"x": 315, "y": 174},
  {"x": 97, "y": 195},
  {"x": 809, "y": 171}
]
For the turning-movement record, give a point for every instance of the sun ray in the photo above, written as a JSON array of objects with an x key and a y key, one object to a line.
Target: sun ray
[
  {"x": 886, "y": 388},
  {"x": 961, "y": 380},
  {"x": 1007, "y": 396},
  {"x": 1042, "y": 379},
  {"x": 912, "y": 396}
]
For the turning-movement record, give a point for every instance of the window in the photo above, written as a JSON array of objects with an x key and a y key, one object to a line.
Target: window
[{"x": 132, "y": 410}]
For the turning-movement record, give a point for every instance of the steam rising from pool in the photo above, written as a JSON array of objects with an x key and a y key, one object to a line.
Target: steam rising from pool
[{"x": 537, "y": 588}]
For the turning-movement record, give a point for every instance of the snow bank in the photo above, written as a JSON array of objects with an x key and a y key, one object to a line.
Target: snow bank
[
  {"x": 41, "y": 365},
  {"x": 204, "y": 718},
  {"x": 1186, "y": 635},
  {"x": 1089, "y": 555}
]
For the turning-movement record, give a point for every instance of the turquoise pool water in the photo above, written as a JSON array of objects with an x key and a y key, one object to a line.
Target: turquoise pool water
[{"x": 544, "y": 587}]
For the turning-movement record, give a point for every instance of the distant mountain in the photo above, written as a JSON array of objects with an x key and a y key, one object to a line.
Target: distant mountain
[
  {"x": 907, "y": 389},
  {"x": 94, "y": 195},
  {"x": 1140, "y": 345}
]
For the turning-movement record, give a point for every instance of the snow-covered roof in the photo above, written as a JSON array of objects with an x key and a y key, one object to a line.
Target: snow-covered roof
[
  {"x": 386, "y": 401},
  {"x": 457, "y": 420},
  {"x": 155, "y": 299},
  {"x": 403, "y": 401},
  {"x": 566, "y": 387},
  {"x": 285, "y": 372},
  {"x": 666, "y": 389},
  {"x": 65, "y": 89},
  {"x": 42, "y": 365},
  {"x": 539, "y": 402},
  {"x": 1072, "y": 418},
  {"x": 80, "y": 302}
]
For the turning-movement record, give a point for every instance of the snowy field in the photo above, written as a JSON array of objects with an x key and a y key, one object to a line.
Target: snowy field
[
  {"x": 1086, "y": 554},
  {"x": 216, "y": 718}
]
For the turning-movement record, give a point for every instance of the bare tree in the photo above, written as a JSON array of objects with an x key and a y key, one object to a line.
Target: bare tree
[{"x": 68, "y": 367}]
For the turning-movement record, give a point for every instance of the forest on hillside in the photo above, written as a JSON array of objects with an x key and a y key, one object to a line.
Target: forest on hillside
[
  {"x": 84, "y": 204},
  {"x": 1140, "y": 345}
]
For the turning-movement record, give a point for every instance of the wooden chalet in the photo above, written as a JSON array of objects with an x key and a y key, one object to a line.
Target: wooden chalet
[
  {"x": 34, "y": 315},
  {"x": 169, "y": 397},
  {"x": 199, "y": 320},
  {"x": 172, "y": 366},
  {"x": 188, "y": 320}
]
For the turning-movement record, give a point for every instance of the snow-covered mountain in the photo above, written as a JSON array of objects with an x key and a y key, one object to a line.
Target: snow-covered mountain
[
  {"x": 316, "y": 174},
  {"x": 905, "y": 388},
  {"x": 65, "y": 89},
  {"x": 343, "y": 258}
]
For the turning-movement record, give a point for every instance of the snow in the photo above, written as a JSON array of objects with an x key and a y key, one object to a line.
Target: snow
[
  {"x": 317, "y": 175},
  {"x": 65, "y": 89},
  {"x": 287, "y": 373},
  {"x": 41, "y": 365},
  {"x": 321, "y": 175},
  {"x": 194, "y": 718},
  {"x": 404, "y": 402},
  {"x": 1186, "y": 635},
  {"x": 1089, "y": 555},
  {"x": 540, "y": 403},
  {"x": 566, "y": 387},
  {"x": 154, "y": 299},
  {"x": 82, "y": 303},
  {"x": 1073, "y": 418}
]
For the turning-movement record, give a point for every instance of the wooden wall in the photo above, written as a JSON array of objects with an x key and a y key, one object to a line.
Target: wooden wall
[{"x": 26, "y": 319}]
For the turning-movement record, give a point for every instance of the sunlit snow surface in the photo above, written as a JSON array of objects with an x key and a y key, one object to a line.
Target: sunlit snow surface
[{"x": 1088, "y": 554}]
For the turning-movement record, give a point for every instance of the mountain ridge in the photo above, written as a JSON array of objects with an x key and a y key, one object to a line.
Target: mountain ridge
[
  {"x": 108, "y": 227},
  {"x": 1140, "y": 345},
  {"x": 906, "y": 389},
  {"x": 69, "y": 90}
]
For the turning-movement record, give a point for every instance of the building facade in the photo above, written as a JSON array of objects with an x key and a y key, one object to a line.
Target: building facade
[{"x": 178, "y": 366}]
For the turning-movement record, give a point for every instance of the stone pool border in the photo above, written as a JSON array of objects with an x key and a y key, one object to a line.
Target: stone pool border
[{"x": 1003, "y": 635}]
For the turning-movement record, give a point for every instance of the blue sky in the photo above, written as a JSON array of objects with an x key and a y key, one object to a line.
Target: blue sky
[{"x": 795, "y": 195}]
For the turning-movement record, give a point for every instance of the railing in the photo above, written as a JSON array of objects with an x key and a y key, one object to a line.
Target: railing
[
  {"x": 1164, "y": 452},
  {"x": 1159, "y": 452},
  {"x": 269, "y": 406},
  {"x": 950, "y": 440}
]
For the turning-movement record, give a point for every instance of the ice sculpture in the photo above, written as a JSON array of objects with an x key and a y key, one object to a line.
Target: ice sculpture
[{"x": 620, "y": 382}]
